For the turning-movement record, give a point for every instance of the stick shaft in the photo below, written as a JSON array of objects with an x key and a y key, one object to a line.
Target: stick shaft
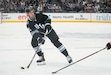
[
  {"x": 79, "y": 60},
  {"x": 31, "y": 60}
]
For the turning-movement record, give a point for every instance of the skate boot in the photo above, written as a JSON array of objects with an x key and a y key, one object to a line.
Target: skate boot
[
  {"x": 69, "y": 59},
  {"x": 41, "y": 60}
]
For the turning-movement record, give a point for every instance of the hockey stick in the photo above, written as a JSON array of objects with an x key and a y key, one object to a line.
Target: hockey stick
[
  {"x": 78, "y": 60},
  {"x": 35, "y": 52},
  {"x": 31, "y": 60}
]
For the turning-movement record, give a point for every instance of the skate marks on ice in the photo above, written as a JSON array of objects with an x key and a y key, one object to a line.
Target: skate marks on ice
[{"x": 80, "y": 40}]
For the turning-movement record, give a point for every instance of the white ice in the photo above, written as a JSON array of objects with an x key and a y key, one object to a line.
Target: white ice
[{"x": 80, "y": 39}]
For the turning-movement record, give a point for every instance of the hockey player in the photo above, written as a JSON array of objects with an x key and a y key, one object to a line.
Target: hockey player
[
  {"x": 39, "y": 26},
  {"x": 108, "y": 45}
]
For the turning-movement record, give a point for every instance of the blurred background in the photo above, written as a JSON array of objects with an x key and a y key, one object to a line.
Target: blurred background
[{"x": 62, "y": 6}]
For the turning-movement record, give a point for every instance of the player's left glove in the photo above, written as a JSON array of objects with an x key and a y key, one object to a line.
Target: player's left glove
[
  {"x": 108, "y": 45},
  {"x": 40, "y": 40},
  {"x": 43, "y": 41}
]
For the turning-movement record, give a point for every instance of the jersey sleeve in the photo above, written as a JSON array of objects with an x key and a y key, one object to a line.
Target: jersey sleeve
[
  {"x": 30, "y": 25},
  {"x": 48, "y": 24}
]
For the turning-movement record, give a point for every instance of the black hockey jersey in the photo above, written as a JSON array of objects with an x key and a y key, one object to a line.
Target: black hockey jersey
[{"x": 41, "y": 23}]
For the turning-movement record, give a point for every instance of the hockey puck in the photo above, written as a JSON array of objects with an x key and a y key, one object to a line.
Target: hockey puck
[
  {"x": 53, "y": 72},
  {"x": 22, "y": 68}
]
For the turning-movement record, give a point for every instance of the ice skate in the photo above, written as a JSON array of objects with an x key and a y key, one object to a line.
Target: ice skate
[
  {"x": 69, "y": 59},
  {"x": 41, "y": 60}
]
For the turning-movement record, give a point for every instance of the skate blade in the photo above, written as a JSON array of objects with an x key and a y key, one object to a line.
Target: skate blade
[{"x": 41, "y": 63}]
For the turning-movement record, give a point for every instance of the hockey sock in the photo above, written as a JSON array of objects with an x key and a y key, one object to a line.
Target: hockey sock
[
  {"x": 65, "y": 53},
  {"x": 40, "y": 53},
  {"x": 63, "y": 50}
]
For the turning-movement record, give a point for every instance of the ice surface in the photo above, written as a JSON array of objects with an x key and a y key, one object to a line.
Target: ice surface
[{"x": 80, "y": 39}]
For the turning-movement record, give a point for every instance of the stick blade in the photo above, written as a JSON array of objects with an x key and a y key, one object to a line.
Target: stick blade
[
  {"x": 54, "y": 72},
  {"x": 28, "y": 66}
]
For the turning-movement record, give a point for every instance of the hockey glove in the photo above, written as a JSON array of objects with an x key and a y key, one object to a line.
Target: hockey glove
[
  {"x": 108, "y": 45},
  {"x": 40, "y": 40},
  {"x": 43, "y": 41}
]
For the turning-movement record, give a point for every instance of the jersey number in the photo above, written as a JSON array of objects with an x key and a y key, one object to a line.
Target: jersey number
[{"x": 38, "y": 26}]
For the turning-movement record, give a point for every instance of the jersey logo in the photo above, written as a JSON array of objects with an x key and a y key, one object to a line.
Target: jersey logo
[{"x": 38, "y": 26}]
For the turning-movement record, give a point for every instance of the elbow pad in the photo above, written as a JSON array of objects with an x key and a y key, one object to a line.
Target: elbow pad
[{"x": 48, "y": 27}]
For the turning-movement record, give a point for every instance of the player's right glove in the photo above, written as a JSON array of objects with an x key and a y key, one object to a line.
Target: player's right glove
[{"x": 108, "y": 45}]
